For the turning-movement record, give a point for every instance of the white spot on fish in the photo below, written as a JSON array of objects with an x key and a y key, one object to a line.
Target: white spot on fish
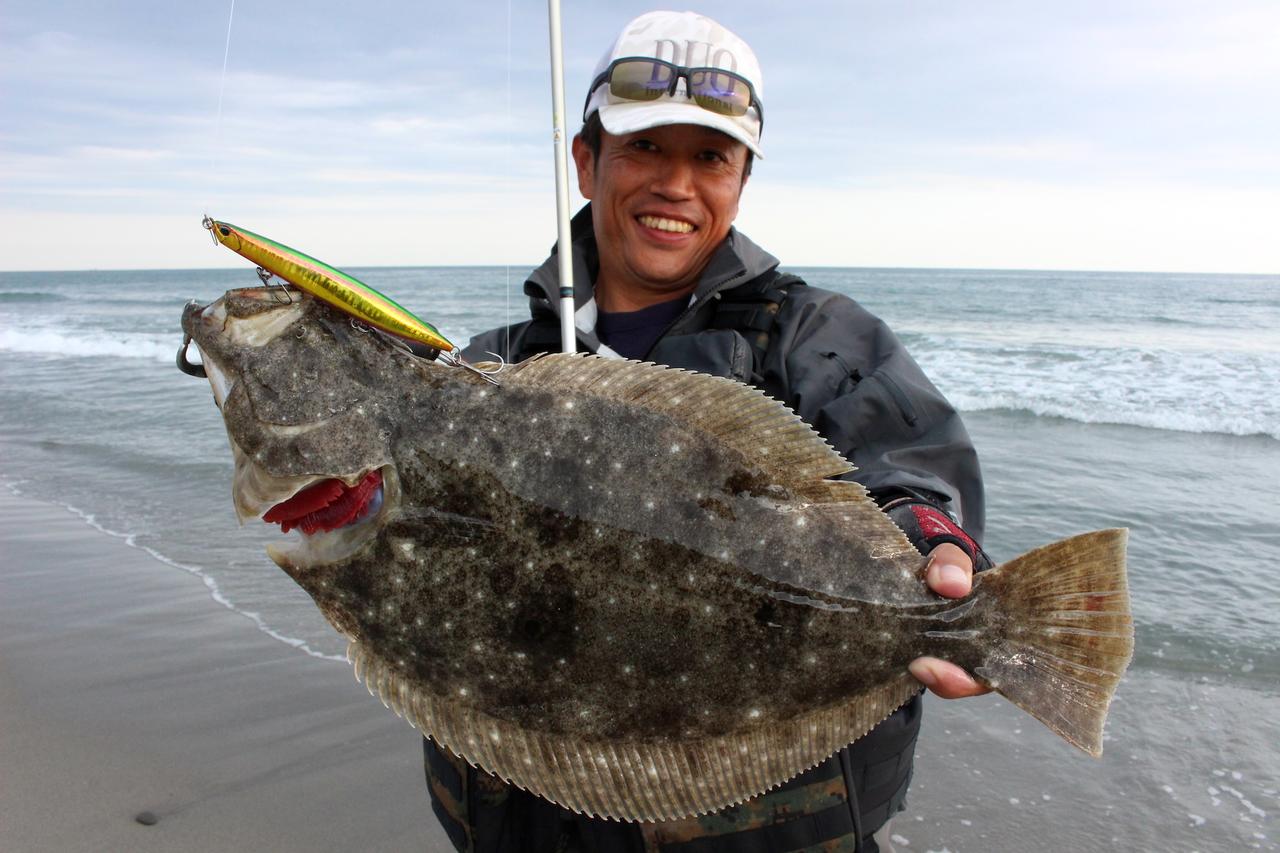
[
  {"x": 649, "y": 504},
  {"x": 811, "y": 660},
  {"x": 675, "y": 448},
  {"x": 462, "y": 691},
  {"x": 568, "y": 404},
  {"x": 476, "y": 647},
  {"x": 801, "y": 522},
  {"x": 617, "y": 466},
  {"x": 706, "y": 608},
  {"x": 627, "y": 669},
  {"x": 754, "y": 713},
  {"x": 448, "y": 625}
]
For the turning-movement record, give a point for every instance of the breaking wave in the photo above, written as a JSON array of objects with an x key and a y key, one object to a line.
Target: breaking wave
[
  {"x": 159, "y": 347},
  {"x": 1223, "y": 392}
]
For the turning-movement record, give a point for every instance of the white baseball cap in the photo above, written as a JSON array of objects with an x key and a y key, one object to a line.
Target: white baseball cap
[{"x": 684, "y": 39}]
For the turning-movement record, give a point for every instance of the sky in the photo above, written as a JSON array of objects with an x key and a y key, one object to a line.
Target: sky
[{"x": 1091, "y": 135}]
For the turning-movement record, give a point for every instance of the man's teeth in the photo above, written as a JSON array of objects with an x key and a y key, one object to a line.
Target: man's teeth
[{"x": 666, "y": 224}]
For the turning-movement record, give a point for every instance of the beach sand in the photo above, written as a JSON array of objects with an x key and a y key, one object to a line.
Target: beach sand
[{"x": 124, "y": 689}]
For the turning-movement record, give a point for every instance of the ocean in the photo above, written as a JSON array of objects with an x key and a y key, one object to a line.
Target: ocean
[{"x": 1149, "y": 401}]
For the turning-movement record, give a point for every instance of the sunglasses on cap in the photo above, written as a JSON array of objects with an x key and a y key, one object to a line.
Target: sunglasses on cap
[{"x": 639, "y": 78}]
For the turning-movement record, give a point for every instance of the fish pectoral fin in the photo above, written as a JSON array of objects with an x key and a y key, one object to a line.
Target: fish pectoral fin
[{"x": 439, "y": 527}]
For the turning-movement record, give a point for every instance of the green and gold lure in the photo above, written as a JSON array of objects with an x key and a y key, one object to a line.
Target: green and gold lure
[{"x": 342, "y": 291}]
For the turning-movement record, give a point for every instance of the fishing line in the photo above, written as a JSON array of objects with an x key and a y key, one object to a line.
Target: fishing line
[
  {"x": 222, "y": 86},
  {"x": 510, "y": 181}
]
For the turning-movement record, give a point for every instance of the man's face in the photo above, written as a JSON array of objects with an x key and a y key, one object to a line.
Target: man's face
[{"x": 662, "y": 201}]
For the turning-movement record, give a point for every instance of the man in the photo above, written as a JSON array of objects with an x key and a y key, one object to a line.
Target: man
[{"x": 662, "y": 276}]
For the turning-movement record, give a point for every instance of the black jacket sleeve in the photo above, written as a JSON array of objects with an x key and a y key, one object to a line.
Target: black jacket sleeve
[{"x": 847, "y": 374}]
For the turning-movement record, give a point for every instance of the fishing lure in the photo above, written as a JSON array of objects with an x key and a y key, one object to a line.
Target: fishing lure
[{"x": 344, "y": 292}]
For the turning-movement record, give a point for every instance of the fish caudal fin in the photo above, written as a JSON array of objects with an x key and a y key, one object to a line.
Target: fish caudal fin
[{"x": 1067, "y": 633}]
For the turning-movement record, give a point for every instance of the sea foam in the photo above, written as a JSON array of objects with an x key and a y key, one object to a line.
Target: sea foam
[{"x": 54, "y": 342}]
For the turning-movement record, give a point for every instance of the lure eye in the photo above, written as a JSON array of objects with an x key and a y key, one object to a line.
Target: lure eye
[{"x": 226, "y": 232}]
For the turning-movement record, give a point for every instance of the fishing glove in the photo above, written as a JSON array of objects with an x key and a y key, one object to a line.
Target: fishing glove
[{"x": 928, "y": 526}]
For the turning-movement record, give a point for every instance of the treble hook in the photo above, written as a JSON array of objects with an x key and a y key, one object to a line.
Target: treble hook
[
  {"x": 275, "y": 288},
  {"x": 455, "y": 359}
]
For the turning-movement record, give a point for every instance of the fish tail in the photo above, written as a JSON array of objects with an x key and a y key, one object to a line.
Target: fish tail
[{"x": 1065, "y": 633}]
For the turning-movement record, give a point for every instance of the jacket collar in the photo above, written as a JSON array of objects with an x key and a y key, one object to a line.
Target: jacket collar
[{"x": 736, "y": 261}]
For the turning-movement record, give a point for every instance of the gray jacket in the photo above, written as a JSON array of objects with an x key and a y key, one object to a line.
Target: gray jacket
[{"x": 837, "y": 365}]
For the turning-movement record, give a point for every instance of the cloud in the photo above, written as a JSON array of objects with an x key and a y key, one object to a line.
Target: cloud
[{"x": 946, "y": 132}]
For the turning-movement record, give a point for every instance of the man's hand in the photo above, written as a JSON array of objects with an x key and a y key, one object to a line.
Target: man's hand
[{"x": 950, "y": 574}]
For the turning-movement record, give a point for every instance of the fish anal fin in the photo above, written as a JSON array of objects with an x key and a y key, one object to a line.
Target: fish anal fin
[{"x": 653, "y": 780}]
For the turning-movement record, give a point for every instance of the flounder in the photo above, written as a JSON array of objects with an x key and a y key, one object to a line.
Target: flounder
[{"x": 637, "y": 592}]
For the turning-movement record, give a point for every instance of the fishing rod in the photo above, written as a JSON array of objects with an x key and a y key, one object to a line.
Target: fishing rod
[{"x": 564, "y": 250}]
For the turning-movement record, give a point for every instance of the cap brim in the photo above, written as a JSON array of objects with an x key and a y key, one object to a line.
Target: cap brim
[{"x": 631, "y": 116}]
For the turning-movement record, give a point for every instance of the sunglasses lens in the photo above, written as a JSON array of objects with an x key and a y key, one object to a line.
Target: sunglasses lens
[
  {"x": 720, "y": 92},
  {"x": 640, "y": 80}
]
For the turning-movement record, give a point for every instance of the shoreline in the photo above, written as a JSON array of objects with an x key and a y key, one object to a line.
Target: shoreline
[{"x": 124, "y": 688}]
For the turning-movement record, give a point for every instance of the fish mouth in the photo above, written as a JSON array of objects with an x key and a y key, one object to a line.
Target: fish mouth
[{"x": 335, "y": 517}]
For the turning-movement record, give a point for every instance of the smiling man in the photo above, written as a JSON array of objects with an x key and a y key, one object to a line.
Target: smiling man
[{"x": 672, "y": 126}]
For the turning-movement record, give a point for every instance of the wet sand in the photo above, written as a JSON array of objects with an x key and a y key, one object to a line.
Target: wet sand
[{"x": 125, "y": 689}]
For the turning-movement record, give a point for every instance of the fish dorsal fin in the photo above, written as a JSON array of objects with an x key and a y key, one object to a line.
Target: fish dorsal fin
[
  {"x": 767, "y": 434},
  {"x": 648, "y": 780}
]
